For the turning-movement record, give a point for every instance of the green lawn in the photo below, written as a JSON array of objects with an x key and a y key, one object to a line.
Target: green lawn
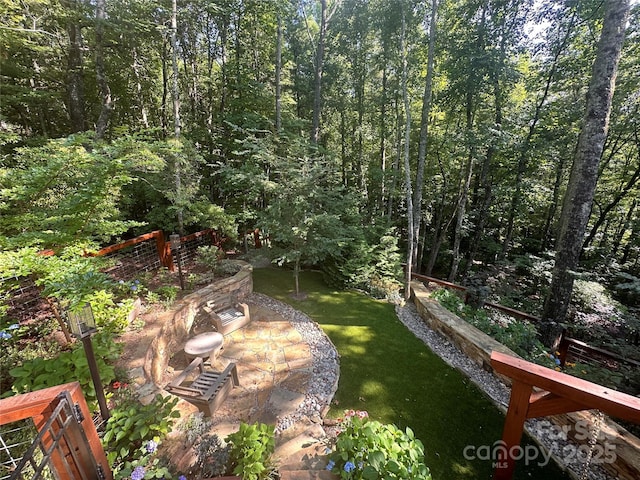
[{"x": 387, "y": 371}]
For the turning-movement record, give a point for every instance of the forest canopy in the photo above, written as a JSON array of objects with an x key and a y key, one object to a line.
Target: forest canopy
[{"x": 344, "y": 129}]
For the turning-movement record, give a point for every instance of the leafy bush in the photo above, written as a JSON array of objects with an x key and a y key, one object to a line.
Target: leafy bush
[
  {"x": 227, "y": 267},
  {"x": 167, "y": 294},
  {"x": 133, "y": 424},
  {"x": 68, "y": 366},
  {"x": 519, "y": 336},
  {"x": 209, "y": 256},
  {"x": 371, "y": 265},
  {"x": 145, "y": 464},
  {"x": 628, "y": 288},
  {"x": 251, "y": 448},
  {"x": 367, "y": 449}
]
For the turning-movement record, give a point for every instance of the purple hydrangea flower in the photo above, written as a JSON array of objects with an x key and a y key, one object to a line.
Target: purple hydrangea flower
[
  {"x": 138, "y": 473},
  {"x": 349, "y": 467},
  {"x": 151, "y": 446},
  {"x": 331, "y": 464}
]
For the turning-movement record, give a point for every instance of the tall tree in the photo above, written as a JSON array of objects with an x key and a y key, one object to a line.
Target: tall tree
[
  {"x": 325, "y": 18},
  {"x": 578, "y": 198},
  {"x": 75, "y": 68},
  {"x": 424, "y": 134},
  {"x": 176, "y": 109},
  {"x": 407, "y": 165},
  {"x": 101, "y": 76}
]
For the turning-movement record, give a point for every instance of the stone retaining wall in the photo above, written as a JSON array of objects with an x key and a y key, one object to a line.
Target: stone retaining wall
[
  {"x": 175, "y": 332},
  {"x": 478, "y": 346}
]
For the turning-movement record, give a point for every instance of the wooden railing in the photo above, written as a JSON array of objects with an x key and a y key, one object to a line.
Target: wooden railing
[
  {"x": 509, "y": 311},
  {"x": 163, "y": 248},
  {"x": 539, "y": 392}
]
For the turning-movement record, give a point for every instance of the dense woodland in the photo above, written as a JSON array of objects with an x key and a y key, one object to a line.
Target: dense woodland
[{"x": 343, "y": 129}]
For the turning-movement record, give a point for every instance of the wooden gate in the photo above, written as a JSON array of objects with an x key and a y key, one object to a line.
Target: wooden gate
[{"x": 66, "y": 445}]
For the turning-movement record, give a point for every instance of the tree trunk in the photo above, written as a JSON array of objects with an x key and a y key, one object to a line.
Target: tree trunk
[
  {"x": 625, "y": 226},
  {"x": 611, "y": 205},
  {"x": 383, "y": 135},
  {"x": 101, "y": 76},
  {"x": 461, "y": 211},
  {"x": 396, "y": 161},
  {"x": 523, "y": 159},
  {"x": 144, "y": 118},
  {"x": 278, "y": 75},
  {"x": 424, "y": 132},
  {"x": 317, "y": 76},
  {"x": 546, "y": 234},
  {"x": 578, "y": 198},
  {"x": 75, "y": 82},
  {"x": 407, "y": 165},
  {"x": 176, "y": 112},
  {"x": 325, "y": 17}
]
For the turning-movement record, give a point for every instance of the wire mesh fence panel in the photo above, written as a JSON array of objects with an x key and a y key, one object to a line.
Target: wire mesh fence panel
[
  {"x": 60, "y": 448},
  {"x": 189, "y": 247},
  {"x": 23, "y": 301},
  {"x": 130, "y": 261},
  {"x": 15, "y": 440}
]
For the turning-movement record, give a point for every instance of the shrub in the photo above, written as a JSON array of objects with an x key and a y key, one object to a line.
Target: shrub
[
  {"x": 251, "y": 448},
  {"x": 144, "y": 464},
  {"x": 209, "y": 256},
  {"x": 68, "y": 366},
  {"x": 367, "y": 449},
  {"x": 519, "y": 336},
  {"x": 132, "y": 424}
]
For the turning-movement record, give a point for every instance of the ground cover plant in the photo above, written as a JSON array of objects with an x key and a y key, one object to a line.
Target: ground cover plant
[{"x": 387, "y": 371}]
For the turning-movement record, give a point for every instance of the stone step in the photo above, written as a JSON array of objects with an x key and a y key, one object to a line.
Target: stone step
[
  {"x": 307, "y": 475},
  {"x": 302, "y": 453}
]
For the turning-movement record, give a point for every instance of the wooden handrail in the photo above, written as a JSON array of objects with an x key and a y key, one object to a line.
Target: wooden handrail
[
  {"x": 127, "y": 243},
  {"x": 566, "y": 342},
  {"x": 561, "y": 393},
  {"x": 426, "y": 278},
  {"x": 511, "y": 311},
  {"x": 532, "y": 318},
  {"x": 612, "y": 402}
]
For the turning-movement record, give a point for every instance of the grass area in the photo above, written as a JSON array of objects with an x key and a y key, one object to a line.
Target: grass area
[{"x": 387, "y": 371}]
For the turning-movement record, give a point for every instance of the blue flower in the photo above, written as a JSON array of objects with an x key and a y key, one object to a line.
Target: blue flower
[
  {"x": 151, "y": 446},
  {"x": 182, "y": 477},
  {"x": 134, "y": 287},
  {"x": 349, "y": 467},
  {"x": 138, "y": 473},
  {"x": 14, "y": 326},
  {"x": 557, "y": 360},
  {"x": 4, "y": 335},
  {"x": 331, "y": 464}
]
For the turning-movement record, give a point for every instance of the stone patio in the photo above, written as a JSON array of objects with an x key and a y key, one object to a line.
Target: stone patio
[{"x": 275, "y": 368}]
